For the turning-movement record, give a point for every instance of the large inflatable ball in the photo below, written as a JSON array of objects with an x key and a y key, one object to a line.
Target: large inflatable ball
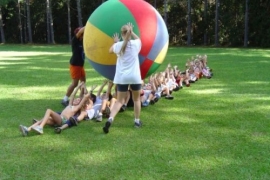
[{"x": 108, "y": 19}]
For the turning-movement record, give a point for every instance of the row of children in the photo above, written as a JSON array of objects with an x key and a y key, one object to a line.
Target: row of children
[{"x": 89, "y": 106}]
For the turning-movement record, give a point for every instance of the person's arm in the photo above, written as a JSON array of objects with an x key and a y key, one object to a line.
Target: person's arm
[
  {"x": 133, "y": 35},
  {"x": 83, "y": 90},
  {"x": 116, "y": 39},
  {"x": 109, "y": 89},
  {"x": 101, "y": 87},
  {"x": 80, "y": 33},
  {"x": 74, "y": 93},
  {"x": 85, "y": 99},
  {"x": 152, "y": 81}
]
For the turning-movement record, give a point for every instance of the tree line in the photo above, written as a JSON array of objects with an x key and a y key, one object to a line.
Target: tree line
[{"x": 230, "y": 23}]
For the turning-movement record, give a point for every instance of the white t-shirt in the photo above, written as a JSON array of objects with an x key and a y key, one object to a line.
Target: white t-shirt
[
  {"x": 128, "y": 65},
  {"x": 93, "y": 112}
]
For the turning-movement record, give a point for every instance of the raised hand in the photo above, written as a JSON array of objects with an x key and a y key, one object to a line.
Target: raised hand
[
  {"x": 116, "y": 37},
  {"x": 130, "y": 25}
]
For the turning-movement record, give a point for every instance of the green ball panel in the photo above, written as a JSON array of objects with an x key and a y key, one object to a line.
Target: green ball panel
[
  {"x": 111, "y": 16},
  {"x": 152, "y": 69}
]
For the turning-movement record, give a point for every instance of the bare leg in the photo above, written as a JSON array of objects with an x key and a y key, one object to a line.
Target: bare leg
[
  {"x": 112, "y": 102},
  {"x": 137, "y": 103},
  {"x": 118, "y": 104},
  {"x": 50, "y": 118},
  {"x": 81, "y": 116}
]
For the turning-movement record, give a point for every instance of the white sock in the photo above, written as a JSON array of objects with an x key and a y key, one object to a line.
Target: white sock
[
  {"x": 65, "y": 98},
  {"x": 137, "y": 120},
  {"x": 110, "y": 119},
  {"x": 148, "y": 100}
]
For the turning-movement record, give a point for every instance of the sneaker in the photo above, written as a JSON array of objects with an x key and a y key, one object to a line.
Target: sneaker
[
  {"x": 169, "y": 97},
  {"x": 176, "y": 88},
  {"x": 58, "y": 130},
  {"x": 123, "y": 108},
  {"x": 156, "y": 99},
  {"x": 152, "y": 102},
  {"x": 65, "y": 103},
  {"x": 106, "y": 127},
  {"x": 73, "y": 121},
  {"x": 34, "y": 121},
  {"x": 99, "y": 118},
  {"x": 138, "y": 125},
  {"x": 38, "y": 129},
  {"x": 24, "y": 130},
  {"x": 145, "y": 104}
]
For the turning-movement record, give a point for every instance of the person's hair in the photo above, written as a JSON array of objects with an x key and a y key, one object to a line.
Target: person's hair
[
  {"x": 126, "y": 34},
  {"x": 84, "y": 105},
  {"x": 93, "y": 97}
]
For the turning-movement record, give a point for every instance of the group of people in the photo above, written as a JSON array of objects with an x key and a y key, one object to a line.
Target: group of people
[{"x": 126, "y": 89}]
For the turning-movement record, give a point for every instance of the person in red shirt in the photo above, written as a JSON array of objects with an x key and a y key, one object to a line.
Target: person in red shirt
[{"x": 76, "y": 67}]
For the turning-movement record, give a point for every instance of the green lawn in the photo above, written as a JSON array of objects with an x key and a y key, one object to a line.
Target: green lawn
[{"x": 218, "y": 128}]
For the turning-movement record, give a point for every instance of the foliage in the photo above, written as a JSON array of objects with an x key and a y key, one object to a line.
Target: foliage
[
  {"x": 216, "y": 129},
  {"x": 231, "y": 21}
]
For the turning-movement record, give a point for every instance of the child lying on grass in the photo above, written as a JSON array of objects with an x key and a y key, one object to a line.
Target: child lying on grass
[
  {"x": 94, "y": 111},
  {"x": 53, "y": 118}
]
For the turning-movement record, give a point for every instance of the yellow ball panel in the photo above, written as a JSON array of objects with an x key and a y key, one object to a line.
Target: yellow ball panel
[{"x": 96, "y": 46}]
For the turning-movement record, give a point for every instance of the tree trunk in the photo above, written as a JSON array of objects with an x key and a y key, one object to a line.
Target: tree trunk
[
  {"x": 79, "y": 13},
  {"x": 29, "y": 22},
  {"x": 25, "y": 24},
  {"x": 20, "y": 21},
  {"x": 1, "y": 27},
  {"x": 69, "y": 23},
  {"x": 48, "y": 21},
  {"x": 216, "y": 24},
  {"x": 246, "y": 25},
  {"x": 189, "y": 24},
  {"x": 165, "y": 11},
  {"x": 51, "y": 24},
  {"x": 205, "y": 22}
]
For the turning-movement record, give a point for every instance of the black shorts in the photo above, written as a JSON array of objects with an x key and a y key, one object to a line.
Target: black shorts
[{"x": 124, "y": 87}]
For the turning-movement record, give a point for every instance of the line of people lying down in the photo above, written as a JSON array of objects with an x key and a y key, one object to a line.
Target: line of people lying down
[{"x": 88, "y": 106}]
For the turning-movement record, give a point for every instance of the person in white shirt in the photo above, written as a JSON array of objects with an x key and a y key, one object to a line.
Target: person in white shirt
[{"x": 127, "y": 72}]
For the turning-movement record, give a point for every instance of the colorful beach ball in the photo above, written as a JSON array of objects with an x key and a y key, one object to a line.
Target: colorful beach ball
[{"x": 108, "y": 18}]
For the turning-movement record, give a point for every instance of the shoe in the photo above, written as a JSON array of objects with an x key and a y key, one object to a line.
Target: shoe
[
  {"x": 99, "y": 118},
  {"x": 138, "y": 125},
  {"x": 156, "y": 99},
  {"x": 65, "y": 103},
  {"x": 106, "y": 127},
  {"x": 38, "y": 129},
  {"x": 123, "y": 108},
  {"x": 23, "y": 130},
  {"x": 58, "y": 130},
  {"x": 73, "y": 121},
  {"x": 152, "y": 102},
  {"x": 176, "y": 88},
  {"x": 34, "y": 121},
  {"x": 169, "y": 97},
  {"x": 145, "y": 104},
  {"x": 163, "y": 95}
]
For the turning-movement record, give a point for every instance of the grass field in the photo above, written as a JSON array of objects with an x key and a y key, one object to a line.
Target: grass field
[{"x": 217, "y": 129}]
